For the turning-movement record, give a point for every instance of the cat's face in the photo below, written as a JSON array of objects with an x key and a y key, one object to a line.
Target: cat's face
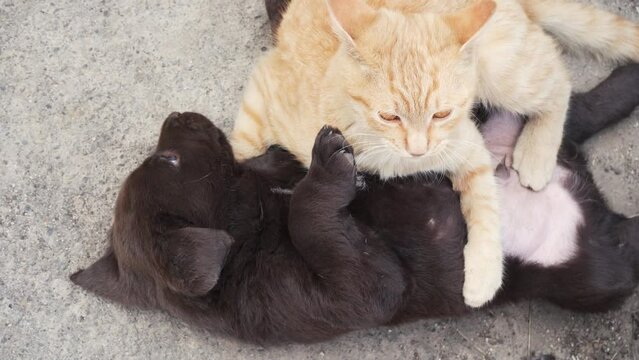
[{"x": 399, "y": 86}]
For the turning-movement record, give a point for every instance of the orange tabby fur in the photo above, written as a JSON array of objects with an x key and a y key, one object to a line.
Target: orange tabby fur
[{"x": 384, "y": 71}]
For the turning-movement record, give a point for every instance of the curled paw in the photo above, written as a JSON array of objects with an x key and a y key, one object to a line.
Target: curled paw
[
  {"x": 535, "y": 166},
  {"x": 333, "y": 154}
]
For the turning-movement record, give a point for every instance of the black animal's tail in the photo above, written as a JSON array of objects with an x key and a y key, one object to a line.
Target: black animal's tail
[{"x": 610, "y": 102}]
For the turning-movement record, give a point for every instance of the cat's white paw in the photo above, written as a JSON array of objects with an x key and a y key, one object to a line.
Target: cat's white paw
[
  {"x": 535, "y": 165},
  {"x": 483, "y": 271}
]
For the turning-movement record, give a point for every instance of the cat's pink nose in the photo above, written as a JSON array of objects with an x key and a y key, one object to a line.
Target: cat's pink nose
[
  {"x": 416, "y": 143},
  {"x": 417, "y": 148}
]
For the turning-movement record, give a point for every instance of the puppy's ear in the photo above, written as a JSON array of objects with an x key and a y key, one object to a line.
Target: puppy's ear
[
  {"x": 195, "y": 257},
  {"x": 104, "y": 279}
]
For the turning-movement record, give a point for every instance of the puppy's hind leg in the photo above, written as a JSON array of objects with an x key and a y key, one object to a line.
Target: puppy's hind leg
[{"x": 613, "y": 100}]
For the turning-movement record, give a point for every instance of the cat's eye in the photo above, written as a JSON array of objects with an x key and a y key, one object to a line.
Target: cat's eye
[
  {"x": 441, "y": 114},
  {"x": 389, "y": 117}
]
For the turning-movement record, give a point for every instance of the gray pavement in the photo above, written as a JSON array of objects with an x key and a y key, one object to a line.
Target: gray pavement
[{"x": 84, "y": 87}]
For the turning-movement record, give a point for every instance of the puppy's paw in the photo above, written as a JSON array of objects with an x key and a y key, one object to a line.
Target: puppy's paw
[
  {"x": 483, "y": 270},
  {"x": 534, "y": 165},
  {"x": 333, "y": 154}
]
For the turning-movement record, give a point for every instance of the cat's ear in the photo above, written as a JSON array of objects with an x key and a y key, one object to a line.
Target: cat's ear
[
  {"x": 467, "y": 22},
  {"x": 104, "y": 279},
  {"x": 349, "y": 18},
  {"x": 195, "y": 257}
]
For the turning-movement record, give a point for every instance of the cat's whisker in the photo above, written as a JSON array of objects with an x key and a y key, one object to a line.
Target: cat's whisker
[
  {"x": 447, "y": 156},
  {"x": 478, "y": 147},
  {"x": 347, "y": 127},
  {"x": 468, "y": 143},
  {"x": 456, "y": 155},
  {"x": 364, "y": 157},
  {"x": 373, "y": 147},
  {"x": 360, "y": 137},
  {"x": 440, "y": 176},
  {"x": 459, "y": 157},
  {"x": 363, "y": 134},
  {"x": 364, "y": 144},
  {"x": 345, "y": 145}
]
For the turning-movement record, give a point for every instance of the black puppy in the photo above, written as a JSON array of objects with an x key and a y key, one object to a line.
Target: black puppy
[{"x": 224, "y": 246}]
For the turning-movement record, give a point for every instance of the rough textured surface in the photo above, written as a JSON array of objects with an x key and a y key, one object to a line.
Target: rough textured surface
[{"x": 84, "y": 86}]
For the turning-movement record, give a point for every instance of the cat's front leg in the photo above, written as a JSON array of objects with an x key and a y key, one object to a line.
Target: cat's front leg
[
  {"x": 483, "y": 257},
  {"x": 251, "y": 134},
  {"x": 535, "y": 155}
]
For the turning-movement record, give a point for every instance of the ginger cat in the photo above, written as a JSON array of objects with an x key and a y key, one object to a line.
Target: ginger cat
[{"x": 399, "y": 78}]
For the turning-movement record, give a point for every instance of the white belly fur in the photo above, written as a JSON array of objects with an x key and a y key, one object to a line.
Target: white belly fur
[{"x": 537, "y": 227}]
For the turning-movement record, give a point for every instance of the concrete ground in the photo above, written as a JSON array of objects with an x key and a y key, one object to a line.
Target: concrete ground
[{"x": 84, "y": 86}]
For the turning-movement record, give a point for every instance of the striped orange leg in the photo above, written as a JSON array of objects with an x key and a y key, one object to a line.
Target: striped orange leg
[{"x": 483, "y": 257}]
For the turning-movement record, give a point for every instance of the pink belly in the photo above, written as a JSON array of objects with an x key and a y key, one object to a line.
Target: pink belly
[{"x": 537, "y": 227}]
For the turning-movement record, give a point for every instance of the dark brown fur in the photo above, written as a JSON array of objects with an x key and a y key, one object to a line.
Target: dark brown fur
[{"x": 222, "y": 246}]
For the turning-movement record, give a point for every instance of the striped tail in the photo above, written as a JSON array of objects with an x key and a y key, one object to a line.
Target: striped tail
[{"x": 585, "y": 27}]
